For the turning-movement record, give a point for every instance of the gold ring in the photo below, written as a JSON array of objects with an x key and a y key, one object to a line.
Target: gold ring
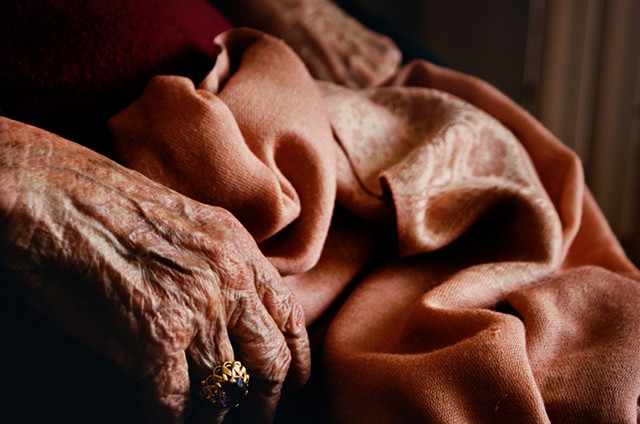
[{"x": 226, "y": 385}]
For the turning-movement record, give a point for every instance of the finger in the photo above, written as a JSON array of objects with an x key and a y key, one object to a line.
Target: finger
[
  {"x": 392, "y": 54},
  {"x": 166, "y": 393},
  {"x": 361, "y": 71},
  {"x": 210, "y": 347},
  {"x": 289, "y": 317},
  {"x": 331, "y": 61},
  {"x": 263, "y": 350},
  {"x": 374, "y": 62}
]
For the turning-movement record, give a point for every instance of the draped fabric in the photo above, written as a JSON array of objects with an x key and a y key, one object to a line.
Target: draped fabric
[{"x": 476, "y": 279}]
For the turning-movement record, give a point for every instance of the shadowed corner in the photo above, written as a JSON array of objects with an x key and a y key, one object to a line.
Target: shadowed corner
[{"x": 49, "y": 377}]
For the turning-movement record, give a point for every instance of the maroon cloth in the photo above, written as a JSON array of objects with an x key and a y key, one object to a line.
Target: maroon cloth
[{"x": 66, "y": 66}]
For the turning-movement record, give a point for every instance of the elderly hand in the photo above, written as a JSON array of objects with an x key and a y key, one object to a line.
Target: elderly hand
[
  {"x": 164, "y": 286},
  {"x": 334, "y": 46}
]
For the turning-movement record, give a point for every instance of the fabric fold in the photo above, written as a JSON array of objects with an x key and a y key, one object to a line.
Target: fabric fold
[
  {"x": 252, "y": 138},
  {"x": 474, "y": 277},
  {"x": 583, "y": 344},
  {"x": 442, "y": 162}
]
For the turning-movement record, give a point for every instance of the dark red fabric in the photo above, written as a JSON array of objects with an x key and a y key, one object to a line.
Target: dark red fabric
[{"x": 66, "y": 66}]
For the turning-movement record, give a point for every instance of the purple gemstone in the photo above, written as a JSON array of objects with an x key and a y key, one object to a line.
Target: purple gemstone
[{"x": 232, "y": 393}]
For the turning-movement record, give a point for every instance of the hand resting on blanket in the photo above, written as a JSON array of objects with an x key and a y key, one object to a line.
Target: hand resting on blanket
[
  {"x": 162, "y": 285},
  {"x": 144, "y": 276},
  {"x": 334, "y": 46}
]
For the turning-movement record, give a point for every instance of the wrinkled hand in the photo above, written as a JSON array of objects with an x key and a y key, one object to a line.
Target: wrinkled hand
[
  {"x": 162, "y": 285},
  {"x": 334, "y": 46}
]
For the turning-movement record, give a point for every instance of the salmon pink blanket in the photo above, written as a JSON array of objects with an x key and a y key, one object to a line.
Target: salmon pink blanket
[{"x": 474, "y": 278}]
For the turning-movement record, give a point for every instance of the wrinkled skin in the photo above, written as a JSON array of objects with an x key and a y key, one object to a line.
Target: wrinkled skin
[
  {"x": 334, "y": 46},
  {"x": 164, "y": 286}
]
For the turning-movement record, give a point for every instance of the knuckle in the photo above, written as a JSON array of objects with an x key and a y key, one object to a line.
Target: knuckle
[
  {"x": 239, "y": 279},
  {"x": 223, "y": 214},
  {"x": 297, "y": 320}
]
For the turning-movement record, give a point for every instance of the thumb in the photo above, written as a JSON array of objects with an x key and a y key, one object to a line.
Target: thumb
[{"x": 166, "y": 393}]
